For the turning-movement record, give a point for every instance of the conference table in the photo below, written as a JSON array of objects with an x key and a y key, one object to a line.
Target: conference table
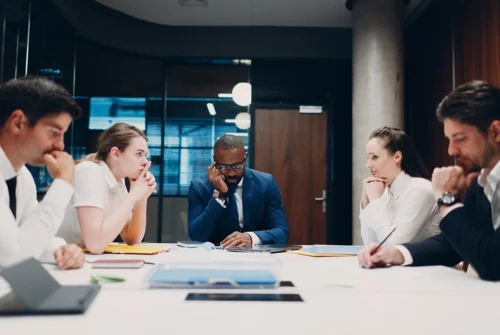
[{"x": 338, "y": 296}]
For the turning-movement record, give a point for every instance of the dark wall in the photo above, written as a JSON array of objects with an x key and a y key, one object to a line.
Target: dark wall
[
  {"x": 292, "y": 81},
  {"x": 51, "y": 43},
  {"x": 108, "y": 27},
  {"x": 15, "y": 14},
  {"x": 339, "y": 229},
  {"x": 103, "y": 71}
]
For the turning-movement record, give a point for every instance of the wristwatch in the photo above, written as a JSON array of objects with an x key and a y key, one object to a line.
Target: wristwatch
[
  {"x": 220, "y": 195},
  {"x": 447, "y": 199}
]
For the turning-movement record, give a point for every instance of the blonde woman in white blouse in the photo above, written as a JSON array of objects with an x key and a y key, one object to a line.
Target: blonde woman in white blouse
[
  {"x": 102, "y": 208},
  {"x": 398, "y": 195}
]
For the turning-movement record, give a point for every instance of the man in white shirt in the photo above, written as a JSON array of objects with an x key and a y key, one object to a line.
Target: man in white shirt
[
  {"x": 34, "y": 115},
  {"x": 471, "y": 118}
]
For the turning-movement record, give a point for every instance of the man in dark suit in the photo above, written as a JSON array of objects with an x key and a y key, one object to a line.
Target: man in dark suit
[
  {"x": 471, "y": 118},
  {"x": 235, "y": 206}
]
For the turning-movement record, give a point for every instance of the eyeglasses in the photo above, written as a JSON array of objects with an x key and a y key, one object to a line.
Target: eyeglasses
[{"x": 226, "y": 167}]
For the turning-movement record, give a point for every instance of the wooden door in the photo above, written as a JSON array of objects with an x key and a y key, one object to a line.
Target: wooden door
[{"x": 293, "y": 148}]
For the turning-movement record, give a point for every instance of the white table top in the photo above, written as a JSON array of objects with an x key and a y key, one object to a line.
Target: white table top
[{"x": 339, "y": 297}]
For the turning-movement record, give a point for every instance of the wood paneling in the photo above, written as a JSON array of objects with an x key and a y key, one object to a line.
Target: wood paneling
[
  {"x": 429, "y": 77},
  {"x": 464, "y": 33},
  {"x": 477, "y": 40},
  {"x": 292, "y": 147}
]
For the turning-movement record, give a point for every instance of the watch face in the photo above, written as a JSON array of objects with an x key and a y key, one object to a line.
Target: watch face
[{"x": 448, "y": 198}]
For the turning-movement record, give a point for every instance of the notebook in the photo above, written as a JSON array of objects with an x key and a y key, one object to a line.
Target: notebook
[
  {"x": 211, "y": 278},
  {"x": 141, "y": 249},
  {"x": 318, "y": 250}
]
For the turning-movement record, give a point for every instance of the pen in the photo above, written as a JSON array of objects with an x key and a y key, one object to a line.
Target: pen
[
  {"x": 385, "y": 239},
  {"x": 97, "y": 279}
]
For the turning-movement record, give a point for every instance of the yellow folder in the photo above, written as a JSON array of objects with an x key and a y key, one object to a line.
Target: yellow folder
[{"x": 140, "y": 249}]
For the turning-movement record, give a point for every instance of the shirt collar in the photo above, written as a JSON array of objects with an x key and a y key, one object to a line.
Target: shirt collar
[
  {"x": 489, "y": 176},
  {"x": 6, "y": 168},
  {"x": 240, "y": 184},
  {"x": 399, "y": 184},
  {"x": 108, "y": 175}
]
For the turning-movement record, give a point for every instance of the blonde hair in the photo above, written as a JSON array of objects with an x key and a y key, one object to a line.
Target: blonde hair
[{"x": 118, "y": 135}]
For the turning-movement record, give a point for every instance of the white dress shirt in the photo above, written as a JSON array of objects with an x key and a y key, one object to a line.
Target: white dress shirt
[
  {"x": 238, "y": 195},
  {"x": 489, "y": 181},
  {"x": 409, "y": 205},
  {"x": 95, "y": 186},
  {"x": 31, "y": 232}
]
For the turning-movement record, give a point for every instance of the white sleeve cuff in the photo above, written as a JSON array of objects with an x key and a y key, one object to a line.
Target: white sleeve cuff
[
  {"x": 408, "y": 259},
  {"x": 59, "y": 194},
  {"x": 47, "y": 255},
  {"x": 445, "y": 210},
  {"x": 222, "y": 203},
  {"x": 255, "y": 239}
]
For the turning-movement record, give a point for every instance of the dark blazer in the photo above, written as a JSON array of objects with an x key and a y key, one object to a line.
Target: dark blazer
[
  {"x": 467, "y": 234},
  {"x": 263, "y": 211}
]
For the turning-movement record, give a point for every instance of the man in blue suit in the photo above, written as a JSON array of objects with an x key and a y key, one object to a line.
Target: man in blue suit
[{"x": 234, "y": 206}]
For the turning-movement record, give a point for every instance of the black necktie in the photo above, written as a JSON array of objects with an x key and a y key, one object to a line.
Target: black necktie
[{"x": 11, "y": 184}]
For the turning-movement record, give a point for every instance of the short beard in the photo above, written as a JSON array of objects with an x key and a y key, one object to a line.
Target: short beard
[
  {"x": 233, "y": 183},
  {"x": 487, "y": 156}
]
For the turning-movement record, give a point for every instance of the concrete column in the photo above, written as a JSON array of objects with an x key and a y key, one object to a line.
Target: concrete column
[{"x": 378, "y": 78}]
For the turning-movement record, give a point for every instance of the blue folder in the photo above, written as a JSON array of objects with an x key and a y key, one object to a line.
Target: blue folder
[
  {"x": 333, "y": 249},
  {"x": 211, "y": 278}
]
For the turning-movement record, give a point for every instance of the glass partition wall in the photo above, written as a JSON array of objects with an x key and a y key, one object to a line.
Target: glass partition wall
[{"x": 183, "y": 105}]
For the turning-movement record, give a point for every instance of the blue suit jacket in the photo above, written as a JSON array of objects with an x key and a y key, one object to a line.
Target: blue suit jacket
[
  {"x": 467, "y": 234},
  {"x": 263, "y": 211}
]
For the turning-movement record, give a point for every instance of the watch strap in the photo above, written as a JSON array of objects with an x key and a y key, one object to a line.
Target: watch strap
[{"x": 220, "y": 195}]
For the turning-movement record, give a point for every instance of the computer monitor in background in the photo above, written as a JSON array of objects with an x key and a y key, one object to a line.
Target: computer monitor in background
[{"x": 106, "y": 111}]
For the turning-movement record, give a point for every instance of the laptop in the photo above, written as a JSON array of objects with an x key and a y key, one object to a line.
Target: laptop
[{"x": 35, "y": 292}]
